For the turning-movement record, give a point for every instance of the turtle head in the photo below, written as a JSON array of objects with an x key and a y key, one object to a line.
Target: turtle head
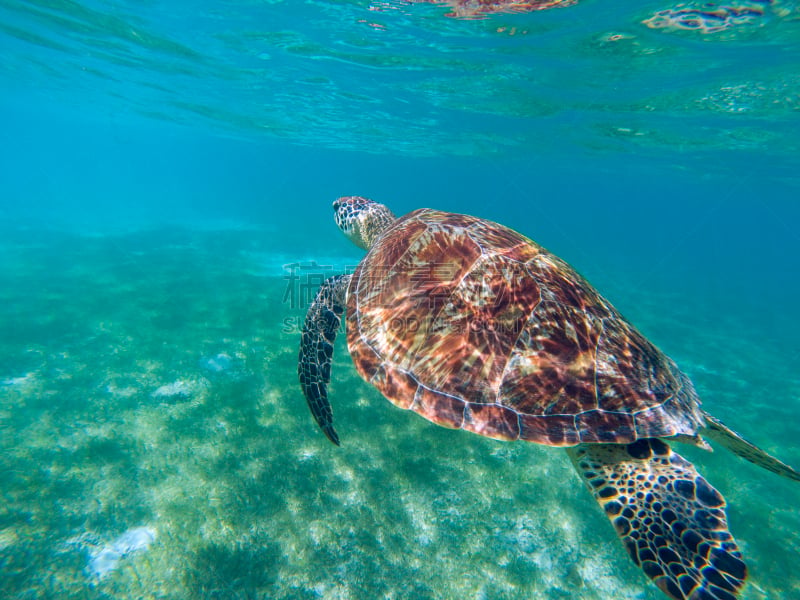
[{"x": 361, "y": 219}]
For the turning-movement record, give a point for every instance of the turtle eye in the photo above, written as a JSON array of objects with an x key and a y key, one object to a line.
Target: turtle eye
[{"x": 335, "y": 205}]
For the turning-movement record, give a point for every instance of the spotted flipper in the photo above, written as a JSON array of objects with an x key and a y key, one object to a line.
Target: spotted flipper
[
  {"x": 668, "y": 517},
  {"x": 316, "y": 349},
  {"x": 719, "y": 432}
]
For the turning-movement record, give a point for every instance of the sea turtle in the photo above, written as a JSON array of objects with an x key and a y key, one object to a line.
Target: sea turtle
[
  {"x": 474, "y": 326},
  {"x": 472, "y": 9}
]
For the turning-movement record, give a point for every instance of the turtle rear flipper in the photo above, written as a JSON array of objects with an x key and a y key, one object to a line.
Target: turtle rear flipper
[
  {"x": 719, "y": 432},
  {"x": 316, "y": 349},
  {"x": 670, "y": 520}
]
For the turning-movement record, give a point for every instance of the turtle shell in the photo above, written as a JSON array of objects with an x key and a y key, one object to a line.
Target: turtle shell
[
  {"x": 478, "y": 8},
  {"x": 475, "y": 326}
]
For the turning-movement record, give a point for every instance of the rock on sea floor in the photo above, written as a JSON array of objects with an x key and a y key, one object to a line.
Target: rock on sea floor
[
  {"x": 178, "y": 389},
  {"x": 106, "y": 559},
  {"x": 224, "y": 366}
]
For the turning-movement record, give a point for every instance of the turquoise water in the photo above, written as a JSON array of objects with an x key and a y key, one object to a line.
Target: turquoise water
[{"x": 160, "y": 165}]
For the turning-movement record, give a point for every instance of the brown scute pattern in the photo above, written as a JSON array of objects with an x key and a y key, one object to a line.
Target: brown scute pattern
[
  {"x": 505, "y": 242},
  {"x": 631, "y": 370},
  {"x": 397, "y": 384},
  {"x": 442, "y": 409},
  {"x": 369, "y": 363},
  {"x": 558, "y": 430},
  {"x": 476, "y": 312},
  {"x": 677, "y": 415},
  {"x": 670, "y": 519},
  {"x": 399, "y": 290},
  {"x": 466, "y": 351},
  {"x": 552, "y": 368},
  {"x": 598, "y": 426},
  {"x": 492, "y": 420},
  {"x": 561, "y": 283}
]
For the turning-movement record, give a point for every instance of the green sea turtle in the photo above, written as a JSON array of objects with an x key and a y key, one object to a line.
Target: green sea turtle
[
  {"x": 474, "y": 326},
  {"x": 472, "y": 9}
]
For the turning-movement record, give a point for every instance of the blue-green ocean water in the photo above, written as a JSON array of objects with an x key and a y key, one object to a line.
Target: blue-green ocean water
[{"x": 162, "y": 161}]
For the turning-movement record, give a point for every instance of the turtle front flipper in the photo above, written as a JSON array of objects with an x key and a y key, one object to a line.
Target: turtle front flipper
[
  {"x": 668, "y": 517},
  {"x": 316, "y": 349}
]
